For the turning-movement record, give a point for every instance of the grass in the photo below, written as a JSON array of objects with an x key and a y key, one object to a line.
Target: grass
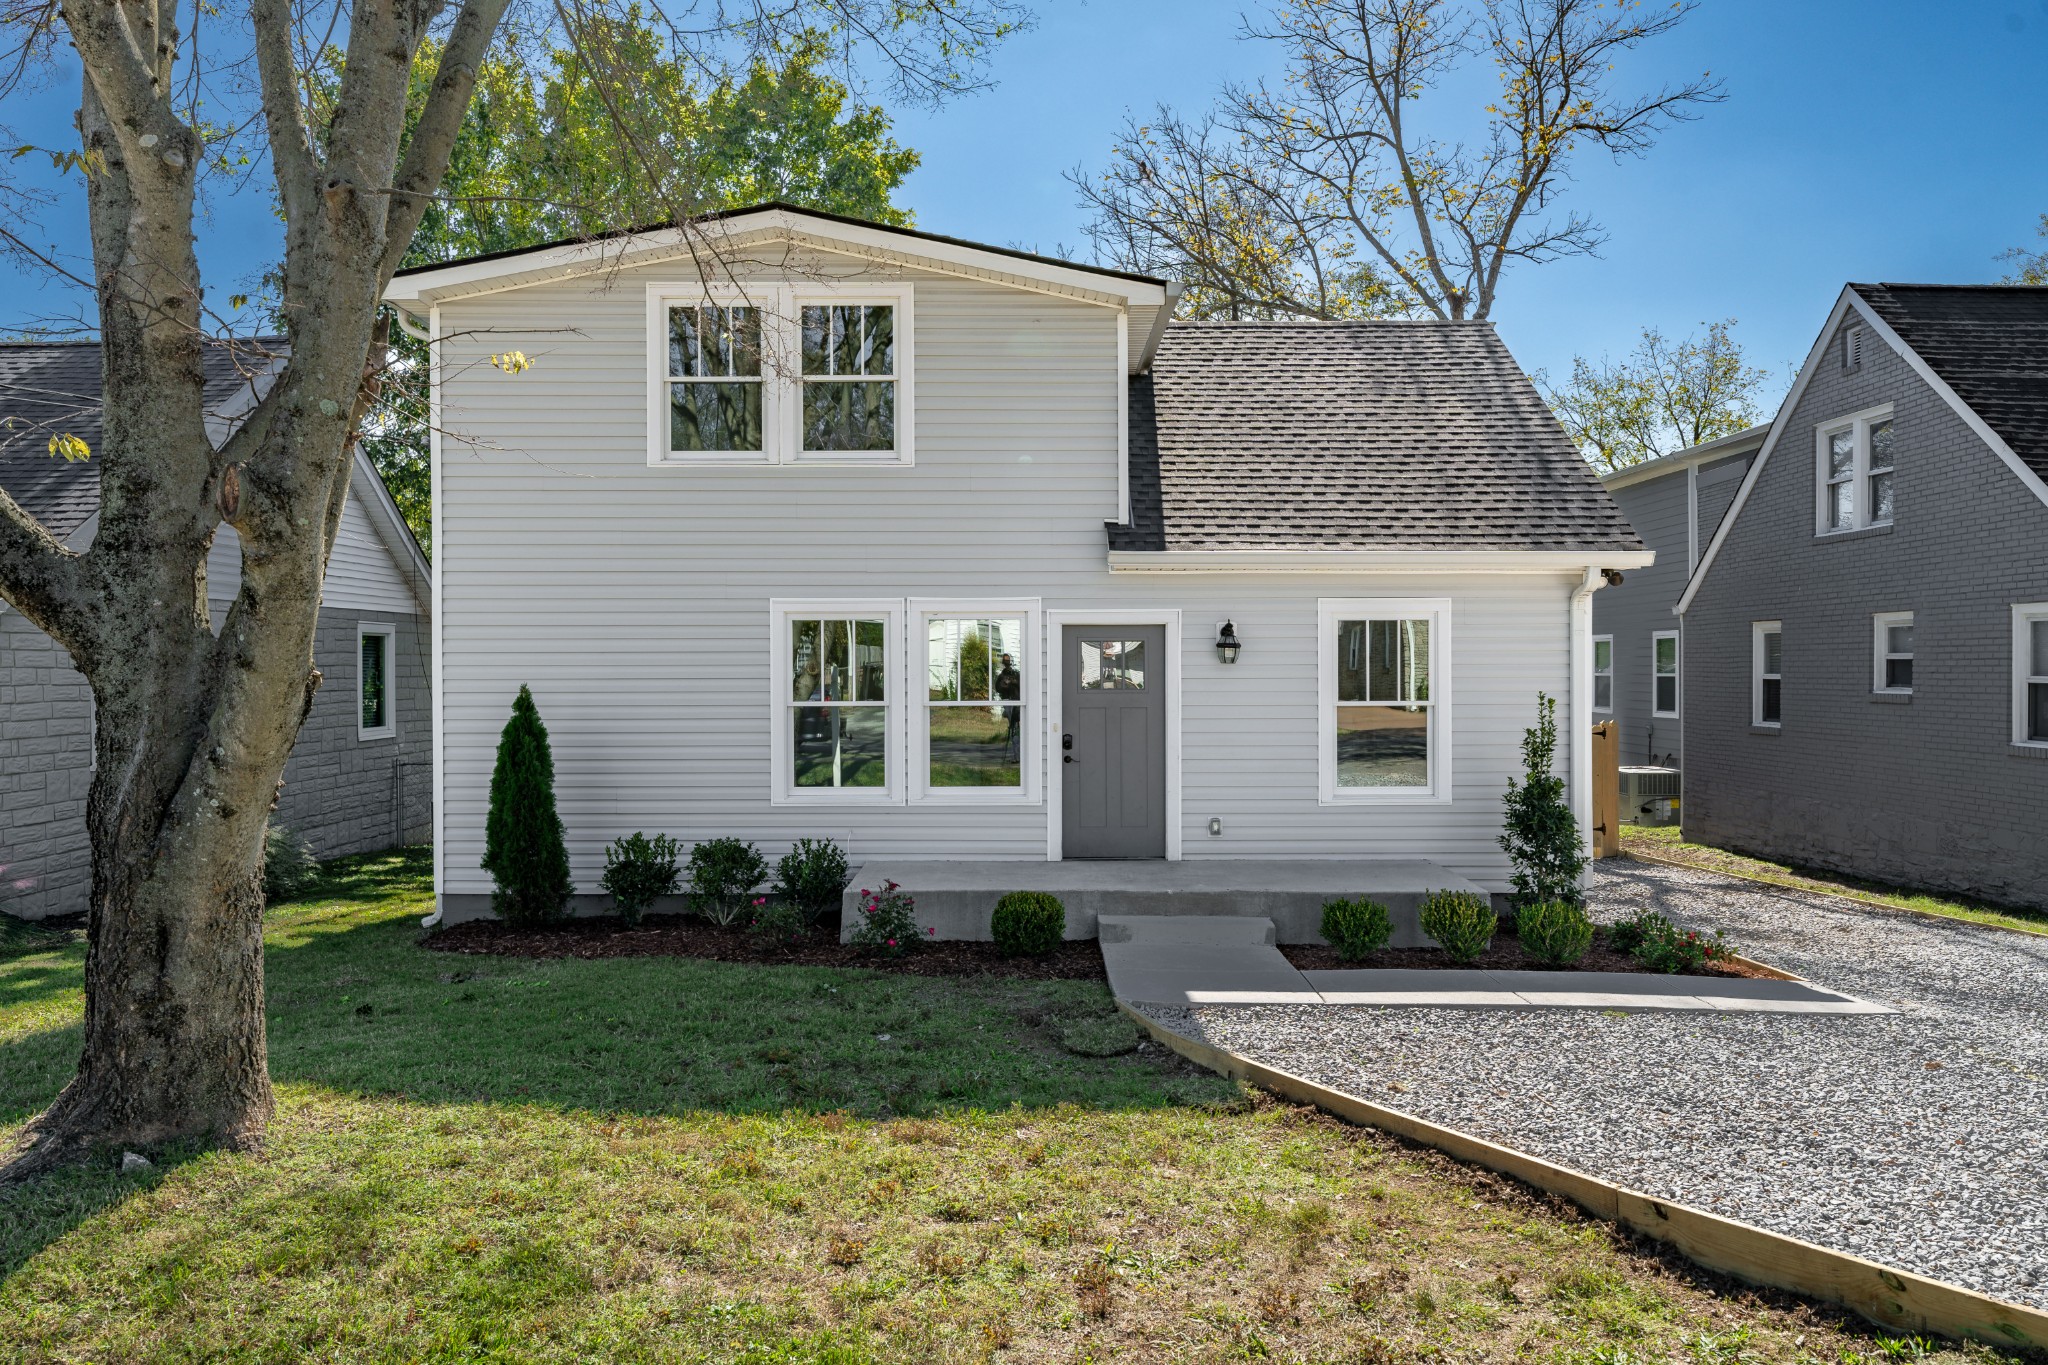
[
  {"x": 644, "y": 1159},
  {"x": 1668, "y": 841}
]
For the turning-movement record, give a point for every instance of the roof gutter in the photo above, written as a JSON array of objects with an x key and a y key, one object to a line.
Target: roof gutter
[
  {"x": 1378, "y": 561},
  {"x": 1579, "y": 613}
]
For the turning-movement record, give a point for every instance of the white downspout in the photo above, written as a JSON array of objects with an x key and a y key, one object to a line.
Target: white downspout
[{"x": 1580, "y": 786}]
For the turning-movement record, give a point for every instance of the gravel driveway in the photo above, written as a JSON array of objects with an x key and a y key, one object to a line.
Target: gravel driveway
[{"x": 1918, "y": 1139}]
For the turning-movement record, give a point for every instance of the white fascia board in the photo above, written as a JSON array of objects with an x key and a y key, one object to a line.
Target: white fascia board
[
  {"x": 1143, "y": 360},
  {"x": 1691, "y": 458},
  {"x": 1376, "y": 561},
  {"x": 429, "y": 286},
  {"x": 1763, "y": 454}
]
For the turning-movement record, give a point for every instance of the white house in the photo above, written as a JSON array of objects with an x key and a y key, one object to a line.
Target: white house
[{"x": 803, "y": 526}]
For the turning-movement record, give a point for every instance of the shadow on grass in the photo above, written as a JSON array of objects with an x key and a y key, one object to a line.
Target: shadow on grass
[{"x": 357, "y": 1006}]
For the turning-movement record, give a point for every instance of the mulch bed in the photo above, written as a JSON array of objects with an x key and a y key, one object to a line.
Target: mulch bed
[
  {"x": 1504, "y": 955},
  {"x": 1075, "y": 960},
  {"x": 679, "y": 936}
]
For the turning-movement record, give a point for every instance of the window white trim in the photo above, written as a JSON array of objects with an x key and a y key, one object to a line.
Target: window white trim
[
  {"x": 1607, "y": 673},
  {"x": 782, "y": 381},
  {"x": 2024, "y": 615},
  {"x": 1881, "y": 653},
  {"x": 388, "y": 633},
  {"x": 1757, "y": 631},
  {"x": 1053, "y": 675},
  {"x": 1331, "y": 610},
  {"x": 921, "y": 611},
  {"x": 1677, "y": 671},
  {"x": 781, "y": 786},
  {"x": 1861, "y": 516}
]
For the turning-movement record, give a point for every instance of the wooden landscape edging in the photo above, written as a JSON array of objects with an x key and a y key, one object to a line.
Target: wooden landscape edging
[{"x": 1891, "y": 1298}]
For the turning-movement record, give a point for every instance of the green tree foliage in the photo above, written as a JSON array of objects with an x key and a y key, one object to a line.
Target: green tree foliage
[
  {"x": 1539, "y": 833},
  {"x": 548, "y": 151},
  {"x": 524, "y": 850},
  {"x": 1663, "y": 397},
  {"x": 2030, "y": 266}
]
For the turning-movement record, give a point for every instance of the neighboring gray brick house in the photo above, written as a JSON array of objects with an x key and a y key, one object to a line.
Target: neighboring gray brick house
[
  {"x": 351, "y": 785},
  {"x": 1675, "y": 503},
  {"x": 1867, "y": 681}
]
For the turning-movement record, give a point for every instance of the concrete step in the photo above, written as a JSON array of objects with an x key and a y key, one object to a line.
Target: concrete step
[{"x": 1219, "y": 931}]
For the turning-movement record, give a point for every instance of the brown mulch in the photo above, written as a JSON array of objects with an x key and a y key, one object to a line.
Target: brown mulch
[
  {"x": 680, "y": 936},
  {"x": 1505, "y": 954}
]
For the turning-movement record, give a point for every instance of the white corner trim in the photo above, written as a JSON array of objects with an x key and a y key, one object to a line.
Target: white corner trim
[
  {"x": 1054, "y": 676},
  {"x": 1849, "y": 301},
  {"x": 436, "y": 674},
  {"x": 1375, "y": 561},
  {"x": 1442, "y": 686},
  {"x": 1123, "y": 418},
  {"x": 1579, "y": 623}
]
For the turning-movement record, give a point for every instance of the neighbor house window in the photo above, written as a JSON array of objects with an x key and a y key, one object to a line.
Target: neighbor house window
[
  {"x": 1855, "y": 458},
  {"x": 780, "y": 374},
  {"x": 837, "y": 692},
  {"x": 376, "y": 715},
  {"x": 1385, "y": 720},
  {"x": 2030, "y": 673},
  {"x": 1603, "y": 672},
  {"x": 974, "y": 740},
  {"x": 1892, "y": 651},
  {"x": 1767, "y": 659},
  {"x": 1664, "y": 673}
]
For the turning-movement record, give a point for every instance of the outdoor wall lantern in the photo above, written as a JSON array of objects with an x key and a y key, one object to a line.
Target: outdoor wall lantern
[{"x": 1227, "y": 643}]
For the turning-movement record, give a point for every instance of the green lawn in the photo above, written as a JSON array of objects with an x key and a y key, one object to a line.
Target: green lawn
[
  {"x": 486, "y": 1159},
  {"x": 1668, "y": 841}
]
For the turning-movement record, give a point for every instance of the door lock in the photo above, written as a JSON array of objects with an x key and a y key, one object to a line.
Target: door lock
[{"x": 1067, "y": 743}]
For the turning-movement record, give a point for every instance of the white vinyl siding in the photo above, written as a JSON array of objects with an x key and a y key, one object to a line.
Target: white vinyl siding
[
  {"x": 362, "y": 572},
  {"x": 652, "y": 588}
]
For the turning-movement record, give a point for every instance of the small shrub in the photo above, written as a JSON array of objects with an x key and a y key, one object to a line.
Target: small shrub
[
  {"x": 288, "y": 864},
  {"x": 1556, "y": 932},
  {"x": 1461, "y": 922},
  {"x": 1028, "y": 924},
  {"x": 1539, "y": 834},
  {"x": 723, "y": 873},
  {"x": 638, "y": 869},
  {"x": 524, "y": 850},
  {"x": 888, "y": 921},
  {"x": 1662, "y": 946},
  {"x": 811, "y": 877},
  {"x": 1356, "y": 929},
  {"x": 777, "y": 921}
]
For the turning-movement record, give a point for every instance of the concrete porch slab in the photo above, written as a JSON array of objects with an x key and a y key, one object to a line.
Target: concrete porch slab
[{"x": 956, "y": 897}]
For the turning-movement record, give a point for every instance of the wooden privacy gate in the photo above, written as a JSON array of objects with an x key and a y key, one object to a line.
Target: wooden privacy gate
[{"x": 1606, "y": 789}]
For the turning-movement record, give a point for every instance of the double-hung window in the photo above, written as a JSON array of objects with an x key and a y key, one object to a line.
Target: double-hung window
[
  {"x": 974, "y": 741},
  {"x": 837, "y": 696},
  {"x": 780, "y": 374},
  {"x": 1892, "y": 652},
  {"x": 1664, "y": 673},
  {"x": 1855, "y": 457},
  {"x": 376, "y": 715},
  {"x": 1767, "y": 664},
  {"x": 2030, "y": 673},
  {"x": 1603, "y": 672},
  {"x": 1385, "y": 711}
]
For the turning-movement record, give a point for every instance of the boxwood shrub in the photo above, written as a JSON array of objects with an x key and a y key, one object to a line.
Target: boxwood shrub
[
  {"x": 1356, "y": 928},
  {"x": 1556, "y": 932},
  {"x": 1028, "y": 924},
  {"x": 1461, "y": 922}
]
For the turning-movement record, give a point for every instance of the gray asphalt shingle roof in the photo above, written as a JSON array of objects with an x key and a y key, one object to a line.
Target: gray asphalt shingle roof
[
  {"x": 1988, "y": 342},
  {"x": 1352, "y": 436},
  {"x": 50, "y": 388}
]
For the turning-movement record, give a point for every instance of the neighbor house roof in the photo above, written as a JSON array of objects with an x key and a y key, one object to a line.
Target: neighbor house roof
[
  {"x": 52, "y": 388},
  {"x": 1989, "y": 343},
  {"x": 1354, "y": 436}
]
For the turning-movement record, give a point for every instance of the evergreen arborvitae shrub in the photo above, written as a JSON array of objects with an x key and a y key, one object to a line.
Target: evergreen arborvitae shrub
[
  {"x": 523, "y": 846},
  {"x": 1356, "y": 929},
  {"x": 1028, "y": 924},
  {"x": 1539, "y": 833},
  {"x": 1462, "y": 923},
  {"x": 1556, "y": 932}
]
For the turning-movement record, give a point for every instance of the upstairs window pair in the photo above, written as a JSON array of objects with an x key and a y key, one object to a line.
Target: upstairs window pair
[
  {"x": 1856, "y": 472},
  {"x": 777, "y": 375}
]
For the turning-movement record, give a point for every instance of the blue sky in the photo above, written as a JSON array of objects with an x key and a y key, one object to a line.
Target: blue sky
[{"x": 1864, "y": 139}]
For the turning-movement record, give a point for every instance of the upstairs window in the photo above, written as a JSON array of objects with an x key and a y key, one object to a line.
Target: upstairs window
[
  {"x": 1767, "y": 665},
  {"x": 1855, "y": 458},
  {"x": 1892, "y": 652},
  {"x": 776, "y": 374},
  {"x": 375, "y": 715},
  {"x": 1603, "y": 672},
  {"x": 1664, "y": 673},
  {"x": 2030, "y": 673}
]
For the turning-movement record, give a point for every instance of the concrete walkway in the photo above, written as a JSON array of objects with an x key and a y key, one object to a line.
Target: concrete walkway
[{"x": 1186, "y": 960}]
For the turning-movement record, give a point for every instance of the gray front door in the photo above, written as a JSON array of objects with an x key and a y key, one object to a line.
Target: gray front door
[{"x": 1113, "y": 750}]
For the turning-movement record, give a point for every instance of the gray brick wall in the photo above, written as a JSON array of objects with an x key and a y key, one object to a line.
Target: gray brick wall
[
  {"x": 1926, "y": 792},
  {"x": 343, "y": 794}
]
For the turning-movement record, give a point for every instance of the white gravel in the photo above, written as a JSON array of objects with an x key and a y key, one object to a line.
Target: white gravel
[{"x": 1917, "y": 1139}]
